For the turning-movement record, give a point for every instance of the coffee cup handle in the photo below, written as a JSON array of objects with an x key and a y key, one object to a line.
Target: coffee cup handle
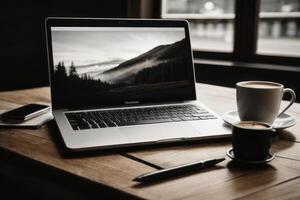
[{"x": 293, "y": 94}]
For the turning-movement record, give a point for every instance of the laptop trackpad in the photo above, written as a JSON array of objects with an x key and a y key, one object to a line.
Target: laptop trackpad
[{"x": 162, "y": 131}]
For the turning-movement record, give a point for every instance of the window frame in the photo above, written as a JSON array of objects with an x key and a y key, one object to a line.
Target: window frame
[{"x": 245, "y": 38}]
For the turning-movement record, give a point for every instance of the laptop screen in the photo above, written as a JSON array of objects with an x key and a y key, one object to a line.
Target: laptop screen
[{"x": 120, "y": 65}]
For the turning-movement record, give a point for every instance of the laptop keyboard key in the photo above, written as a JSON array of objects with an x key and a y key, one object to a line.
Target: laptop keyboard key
[
  {"x": 176, "y": 119},
  {"x": 83, "y": 127},
  {"x": 136, "y": 116}
]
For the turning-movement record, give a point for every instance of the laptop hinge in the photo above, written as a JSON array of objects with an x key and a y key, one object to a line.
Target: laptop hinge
[{"x": 125, "y": 106}]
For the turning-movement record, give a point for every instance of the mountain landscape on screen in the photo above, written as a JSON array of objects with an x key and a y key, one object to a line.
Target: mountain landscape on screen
[{"x": 161, "y": 68}]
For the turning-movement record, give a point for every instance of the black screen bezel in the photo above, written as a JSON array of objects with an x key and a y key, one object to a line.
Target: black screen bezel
[{"x": 99, "y": 22}]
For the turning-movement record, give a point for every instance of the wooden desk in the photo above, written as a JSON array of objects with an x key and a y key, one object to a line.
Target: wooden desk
[{"x": 34, "y": 158}]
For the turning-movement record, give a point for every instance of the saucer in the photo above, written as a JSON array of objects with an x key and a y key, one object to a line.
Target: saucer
[
  {"x": 283, "y": 121},
  {"x": 270, "y": 157}
]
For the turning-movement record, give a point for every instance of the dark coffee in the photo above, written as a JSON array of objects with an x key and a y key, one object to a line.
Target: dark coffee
[
  {"x": 251, "y": 140},
  {"x": 265, "y": 85},
  {"x": 252, "y": 125}
]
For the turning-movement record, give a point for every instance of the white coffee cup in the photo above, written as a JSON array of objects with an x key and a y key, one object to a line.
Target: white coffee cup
[{"x": 260, "y": 100}]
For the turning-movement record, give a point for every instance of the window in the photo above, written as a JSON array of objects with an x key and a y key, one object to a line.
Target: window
[
  {"x": 211, "y": 22},
  {"x": 279, "y": 28},
  {"x": 258, "y": 31}
]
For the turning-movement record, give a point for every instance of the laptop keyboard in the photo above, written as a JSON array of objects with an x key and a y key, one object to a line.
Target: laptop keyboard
[{"x": 137, "y": 116}]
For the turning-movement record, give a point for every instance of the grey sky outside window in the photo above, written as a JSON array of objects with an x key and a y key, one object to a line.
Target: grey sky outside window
[
  {"x": 211, "y": 22},
  {"x": 279, "y": 28}
]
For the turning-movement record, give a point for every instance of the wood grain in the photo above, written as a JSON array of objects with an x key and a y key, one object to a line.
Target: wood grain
[
  {"x": 27, "y": 96},
  {"x": 281, "y": 191},
  {"x": 38, "y": 145},
  {"x": 112, "y": 170},
  {"x": 228, "y": 182},
  {"x": 116, "y": 169},
  {"x": 287, "y": 149}
]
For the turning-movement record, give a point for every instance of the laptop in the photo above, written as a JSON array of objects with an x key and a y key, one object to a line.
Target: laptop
[{"x": 125, "y": 82}]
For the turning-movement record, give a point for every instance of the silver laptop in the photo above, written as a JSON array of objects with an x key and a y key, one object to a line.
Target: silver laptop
[{"x": 125, "y": 82}]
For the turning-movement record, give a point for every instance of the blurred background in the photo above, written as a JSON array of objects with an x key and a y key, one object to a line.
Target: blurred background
[
  {"x": 232, "y": 40},
  {"x": 212, "y": 24}
]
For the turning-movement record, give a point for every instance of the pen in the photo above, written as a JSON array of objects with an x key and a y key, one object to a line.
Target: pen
[{"x": 177, "y": 170}]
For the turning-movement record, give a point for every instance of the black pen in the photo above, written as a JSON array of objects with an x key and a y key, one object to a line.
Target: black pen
[{"x": 177, "y": 170}]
